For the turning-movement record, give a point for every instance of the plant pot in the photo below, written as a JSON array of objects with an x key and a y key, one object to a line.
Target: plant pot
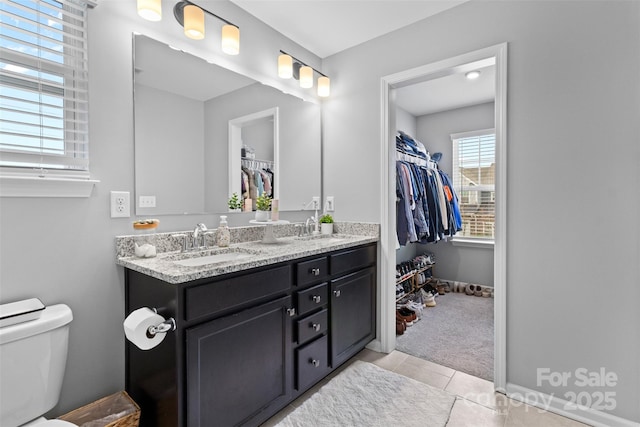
[
  {"x": 235, "y": 210},
  {"x": 326, "y": 228},
  {"x": 262, "y": 215}
]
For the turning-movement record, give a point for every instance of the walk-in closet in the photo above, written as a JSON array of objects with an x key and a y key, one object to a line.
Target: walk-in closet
[{"x": 445, "y": 220}]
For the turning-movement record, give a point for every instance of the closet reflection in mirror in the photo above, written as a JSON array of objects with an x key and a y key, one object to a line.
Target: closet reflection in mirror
[{"x": 184, "y": 110}]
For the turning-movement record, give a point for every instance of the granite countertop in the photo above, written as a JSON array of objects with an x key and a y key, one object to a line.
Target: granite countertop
[{"x": 167, "y": 266}]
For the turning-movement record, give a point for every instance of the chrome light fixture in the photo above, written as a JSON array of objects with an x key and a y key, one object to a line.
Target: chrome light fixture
[
  {"x": 289, "y": 66},
  {"x": 191, "y": 17}
]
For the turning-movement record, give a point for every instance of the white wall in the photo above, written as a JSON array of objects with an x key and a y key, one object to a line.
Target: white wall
[
  {"x": 461, "y": 263},
  {"x": 573, "y": 103},
  {"x": 62, "y": 250}
]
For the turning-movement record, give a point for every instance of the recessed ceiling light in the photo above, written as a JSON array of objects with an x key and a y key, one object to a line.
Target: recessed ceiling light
[{"x": 472, "y": 75}]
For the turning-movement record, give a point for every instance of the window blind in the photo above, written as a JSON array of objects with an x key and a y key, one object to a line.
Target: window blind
[
  {"x": 44, "y": 87},
  {"x": 474, "y": 169}
]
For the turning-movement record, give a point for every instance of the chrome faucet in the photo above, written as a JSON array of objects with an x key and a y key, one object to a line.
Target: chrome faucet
[
  {"x": 311, "y": 220},
  {"x": 198, "y": 236}
]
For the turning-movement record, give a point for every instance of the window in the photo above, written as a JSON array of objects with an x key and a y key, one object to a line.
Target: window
[
  {"x": 474, "y": 170},
  {"x": 43, "y": 88}
]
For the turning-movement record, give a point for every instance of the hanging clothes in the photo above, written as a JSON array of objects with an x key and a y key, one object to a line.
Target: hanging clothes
[{"x": 427, "y": 207}]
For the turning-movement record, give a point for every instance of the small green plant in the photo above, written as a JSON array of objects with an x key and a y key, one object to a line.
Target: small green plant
[
  {"x": 326, "y": 219},
  {"x": 263, "y": 202},
  {"x": 234, "y": 202}
]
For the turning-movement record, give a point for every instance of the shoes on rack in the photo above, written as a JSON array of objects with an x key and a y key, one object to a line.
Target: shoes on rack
[
  {"x": 429, "y": 300},
  {"x": 486, "y": 293},
  {"x": 416, "y": 307},
  {"x": 470, "y": 289},
  {"x": 407, "y": 313},
  {"x": 446, "y": 286},
  {"x": 399, "y": 291},
  {"x": 401, "y": 327},
  {"x": 407, "y": 319}
]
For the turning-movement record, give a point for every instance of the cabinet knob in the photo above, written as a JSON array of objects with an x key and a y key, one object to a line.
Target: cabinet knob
[
  {"x": 337, "y": 293},
  {"x": 315, "y": 362},
  {"x": 316, "y": 326},
  {"x": 315, "y": 271},
  {"x": 291, "y": 312},
  {"x": 316, "y": 299}
]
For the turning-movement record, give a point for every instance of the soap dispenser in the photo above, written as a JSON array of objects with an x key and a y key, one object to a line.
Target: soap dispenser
[{"x": 223, "y": 235}]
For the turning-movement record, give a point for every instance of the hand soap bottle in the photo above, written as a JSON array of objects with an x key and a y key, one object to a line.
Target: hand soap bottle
[{"x": 223, "y": 235}]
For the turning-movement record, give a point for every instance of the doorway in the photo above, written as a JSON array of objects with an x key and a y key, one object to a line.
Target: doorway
[{"x": 389, "y": 86}]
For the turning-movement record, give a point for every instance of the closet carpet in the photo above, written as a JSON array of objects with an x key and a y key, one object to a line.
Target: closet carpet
[{"x": 457, "y": 332}]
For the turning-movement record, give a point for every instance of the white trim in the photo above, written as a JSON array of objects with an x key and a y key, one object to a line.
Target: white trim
[
  {"x": 31, "y": 186},
  {"x": 494, "y": 54},
  {"x": 558, "y": 406},
  {"x": 472, "y": 133},
  {"x": 472, "y": 243}
]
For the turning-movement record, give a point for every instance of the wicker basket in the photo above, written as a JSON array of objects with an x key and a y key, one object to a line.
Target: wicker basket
[{"x": 116, "y": 410}]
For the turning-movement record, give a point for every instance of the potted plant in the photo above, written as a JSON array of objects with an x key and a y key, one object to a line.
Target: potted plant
[
  {"x": 263, "y": 204},
  {"x": 326, "y": 224},
  {"x": 235, "y": 204}
]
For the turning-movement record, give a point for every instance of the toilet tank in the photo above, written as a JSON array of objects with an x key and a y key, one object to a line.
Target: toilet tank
[{"x": 33, "y": 356}]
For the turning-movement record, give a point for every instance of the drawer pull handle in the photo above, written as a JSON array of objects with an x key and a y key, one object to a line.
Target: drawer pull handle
[
  {"x": 337, "y": 293},
  {"x": 316, "y": 327},
  {"x": 291, "y": 312},
  {"x": 315, "y": 363},
  {"x": 316, "y": 299},
  {"x": 315, "y": 271}
]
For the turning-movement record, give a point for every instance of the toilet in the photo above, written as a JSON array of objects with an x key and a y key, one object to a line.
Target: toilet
[{"x": 33, "y": 355}]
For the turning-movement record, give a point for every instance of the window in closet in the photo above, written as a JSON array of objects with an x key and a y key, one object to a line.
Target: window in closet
[{"x": 474, "y": 169}]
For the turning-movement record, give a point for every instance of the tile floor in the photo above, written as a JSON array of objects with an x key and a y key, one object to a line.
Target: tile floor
[{"x": 476, "y": 403}]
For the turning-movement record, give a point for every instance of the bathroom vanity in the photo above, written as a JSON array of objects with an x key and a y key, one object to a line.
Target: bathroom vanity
[{"x": 250, "y": 336}]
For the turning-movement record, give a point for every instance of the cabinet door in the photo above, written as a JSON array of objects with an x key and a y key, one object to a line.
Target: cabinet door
[
  {"x": 239, "y": 367},
  {"x": 352, "y": 314}
]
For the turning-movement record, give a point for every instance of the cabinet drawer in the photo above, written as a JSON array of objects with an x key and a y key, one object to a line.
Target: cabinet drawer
[
  {"x": 312, "y": 326},
  {"x": 312, "y": 362},
  {"x": 228, "y": 294},
  {"x": 352, "y": 260},
  {"x": 312, "y": 298},
  {"x": 312, "y": 271}
]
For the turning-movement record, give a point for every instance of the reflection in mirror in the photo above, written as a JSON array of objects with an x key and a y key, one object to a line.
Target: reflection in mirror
[{"x": 184, "y": 109}]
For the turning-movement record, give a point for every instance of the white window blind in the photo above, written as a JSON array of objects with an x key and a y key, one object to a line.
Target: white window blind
[
  {"x": 44, "y": 88},
  {"x": 474, "y": 168}
]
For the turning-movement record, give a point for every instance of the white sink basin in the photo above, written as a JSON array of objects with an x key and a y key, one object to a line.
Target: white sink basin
[{"x": 214, "y": 256}]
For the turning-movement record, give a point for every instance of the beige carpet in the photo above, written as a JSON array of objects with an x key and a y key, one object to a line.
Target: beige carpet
[{"x": 367, "y": 395}]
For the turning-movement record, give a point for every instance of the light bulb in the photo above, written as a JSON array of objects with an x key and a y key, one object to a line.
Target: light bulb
[
  {"x": 472, "y": 75},
  {"x": 306, "y": 77},
  {"x": 193, "y": 22},
  {"x": 230, "y": 39},
  {"x": 324, "y": 86},
  {"x": 151, "y": 10},
  {"x": 285, "y": 66}
]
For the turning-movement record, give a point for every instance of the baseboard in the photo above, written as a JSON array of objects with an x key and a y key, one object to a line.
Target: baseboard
[{"x": 559, "y": 406}]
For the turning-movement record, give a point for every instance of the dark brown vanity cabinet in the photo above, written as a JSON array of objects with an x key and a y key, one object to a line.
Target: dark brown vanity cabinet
[{"x": 248, "y": 343}]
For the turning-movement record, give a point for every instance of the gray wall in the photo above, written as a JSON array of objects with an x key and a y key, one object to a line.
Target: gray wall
[
  {"x": 169, "y": 162},
  {"x": 572, "y": 230},
  {"x": 462, "y": 263},
  {"x": 62, "y": 250}
]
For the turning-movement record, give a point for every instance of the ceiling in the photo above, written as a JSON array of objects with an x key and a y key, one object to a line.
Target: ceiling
[{"x": 326, "y": 27}]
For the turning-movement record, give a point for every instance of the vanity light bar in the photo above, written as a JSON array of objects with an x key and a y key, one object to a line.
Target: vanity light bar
[
  {"x": 191, "y": 17},
  {"x": 287, "y": 69}
]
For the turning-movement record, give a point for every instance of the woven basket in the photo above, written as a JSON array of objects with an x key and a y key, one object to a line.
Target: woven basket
[{"x": 116, "y": 410}]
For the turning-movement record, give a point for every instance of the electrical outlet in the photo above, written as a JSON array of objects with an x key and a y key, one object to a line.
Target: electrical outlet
[
  {"x": 315, "y": 202},
  {"x": 147, "y": 202},
  {"x": 330, "y": 204},
  {"x": 120, "y": 207}
]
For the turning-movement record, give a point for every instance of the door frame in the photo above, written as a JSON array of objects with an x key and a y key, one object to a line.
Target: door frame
[{"x": 388, "y": 84}]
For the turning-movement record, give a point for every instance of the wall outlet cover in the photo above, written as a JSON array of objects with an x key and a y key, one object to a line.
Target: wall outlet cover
[{"x": 120, "y": 205}]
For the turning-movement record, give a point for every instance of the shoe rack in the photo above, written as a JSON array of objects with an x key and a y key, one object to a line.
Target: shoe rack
[{"x": 413, "y": 278}]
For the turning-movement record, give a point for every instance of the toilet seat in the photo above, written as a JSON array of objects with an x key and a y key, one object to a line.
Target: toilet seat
[{"x": 42, "y": 422}]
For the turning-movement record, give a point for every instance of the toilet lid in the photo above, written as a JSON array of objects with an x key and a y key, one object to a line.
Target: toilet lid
[{"x": 53, "y": 423}]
